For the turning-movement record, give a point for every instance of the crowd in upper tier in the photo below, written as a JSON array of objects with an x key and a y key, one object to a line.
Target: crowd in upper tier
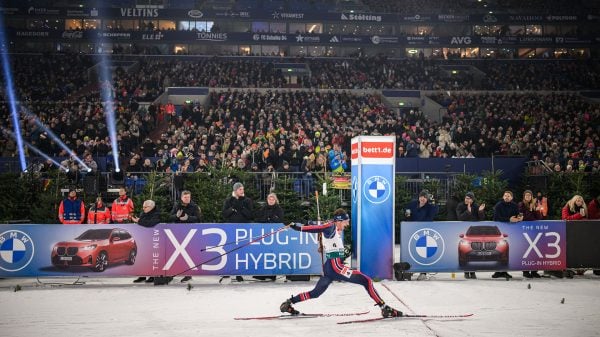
[
  {"x": 466, "y": 6},
  {"x": 269, "y": 128}
]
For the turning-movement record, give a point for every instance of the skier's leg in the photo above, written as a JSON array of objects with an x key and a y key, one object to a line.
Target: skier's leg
[
  {"x": 317, "y": 291},
  {"x": 347, "y": 274},
  {"x": 343, "y": 273}
]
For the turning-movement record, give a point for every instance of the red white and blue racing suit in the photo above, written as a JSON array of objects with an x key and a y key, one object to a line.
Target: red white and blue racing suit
[{"x": 334, "y": 268}]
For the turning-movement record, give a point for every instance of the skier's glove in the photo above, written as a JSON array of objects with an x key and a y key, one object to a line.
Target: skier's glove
[{"x": 295, "y": 226}]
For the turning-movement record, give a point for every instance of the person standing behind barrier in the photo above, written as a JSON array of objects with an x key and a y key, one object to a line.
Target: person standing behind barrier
[
  {"x": 469, "y": 210},
  {"x": 238, "y": 208},
  {"x": 71, "y": 210},
  {"x": 149, "y": 218},
  {"x": 271, "y": 212},
  {"x": 575, "y": 209},
  {"x": 542, "y": 201},
  {"x": 122, "y": 207},
  {"x": 186, "y": 211},
  {"x": 506, "y": 210},
  {"x": 98, "y": 213},
  {"x": 421, "y": 210},
  {"x": 531, "y": 211}
]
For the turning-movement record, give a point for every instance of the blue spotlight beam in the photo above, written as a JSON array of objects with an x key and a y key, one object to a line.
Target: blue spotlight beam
[
  {"x": 45, "y": 156},
  {"x": 109, "y": 110},
  {"x": 55, "y": 138},
  {"x": 11, "y": 97},
  {"x": 108, "y": 100},
  {"x": 36, "y": 150}
]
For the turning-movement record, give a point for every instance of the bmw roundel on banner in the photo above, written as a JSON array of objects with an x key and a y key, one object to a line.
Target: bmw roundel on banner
[
  {"x": 16, "y": 250},
  {"x": 444, "y": 246},
  {"x": 426, "y": 246}
]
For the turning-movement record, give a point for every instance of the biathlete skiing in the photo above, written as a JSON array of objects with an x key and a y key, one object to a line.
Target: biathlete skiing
[{"x": 334, "y": 268}]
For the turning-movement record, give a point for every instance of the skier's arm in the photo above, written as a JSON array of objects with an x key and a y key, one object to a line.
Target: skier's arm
[{"x": 312, "y": 228}]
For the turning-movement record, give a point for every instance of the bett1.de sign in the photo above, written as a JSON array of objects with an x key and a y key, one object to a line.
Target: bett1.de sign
[{"x": 373, "y": 167}]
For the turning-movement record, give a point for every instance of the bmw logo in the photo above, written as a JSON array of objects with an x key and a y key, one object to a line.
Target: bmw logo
[
  {"x": 426, "y": 246},
  {"x": 16, "y": 250},
  {"x": 377, "y": 189}
]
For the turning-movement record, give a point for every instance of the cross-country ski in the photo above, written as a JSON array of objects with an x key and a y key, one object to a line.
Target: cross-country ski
[
  {"x": 301, "y": 315},
  {"x": 374, "y": 319}
]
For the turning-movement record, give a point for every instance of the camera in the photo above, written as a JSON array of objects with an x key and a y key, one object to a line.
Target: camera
[{"x": 401, "y": 271}]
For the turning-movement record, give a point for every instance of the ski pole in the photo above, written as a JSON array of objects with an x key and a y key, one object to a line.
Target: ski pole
[
  {"x": 233, "y": 250},
  {"x": 320, "y": 234},
  {"x": 318, "y": 210}
]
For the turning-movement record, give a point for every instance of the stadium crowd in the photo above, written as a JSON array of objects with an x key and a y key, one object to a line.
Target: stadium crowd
[
  {"x": 458, "y": 6},
  {"x": 302, "y": 126}
]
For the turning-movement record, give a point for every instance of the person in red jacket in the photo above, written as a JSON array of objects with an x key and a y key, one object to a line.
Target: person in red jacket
[
  {"x": 98, "y": 213},
  {"x": 575, "y": 209},
  {"x": 71, "y": 210},
  {"x": 122, "y": 207}
]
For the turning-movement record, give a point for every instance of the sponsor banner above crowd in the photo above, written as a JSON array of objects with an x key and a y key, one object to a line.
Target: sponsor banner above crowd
[
  {"x": 301, "y": 38},
  {"x": 485, "y": 245},
  {"x": 167, "y": 249},
  {"x": 284, "y": 15}
]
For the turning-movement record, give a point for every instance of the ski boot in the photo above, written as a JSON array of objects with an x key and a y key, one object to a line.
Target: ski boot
[
  {"x": 387, "y": 311},
  {"x": 287, "y": 307}
]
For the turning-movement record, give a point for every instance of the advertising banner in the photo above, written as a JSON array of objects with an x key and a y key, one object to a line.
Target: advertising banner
[
  {"x": 309, "y": 15},
  {"x": 298, "y": 38},
  {"x": 485, "y": 245},
  {"x": 167, "y": 249},
  {"x": 373, "y": 167}
]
